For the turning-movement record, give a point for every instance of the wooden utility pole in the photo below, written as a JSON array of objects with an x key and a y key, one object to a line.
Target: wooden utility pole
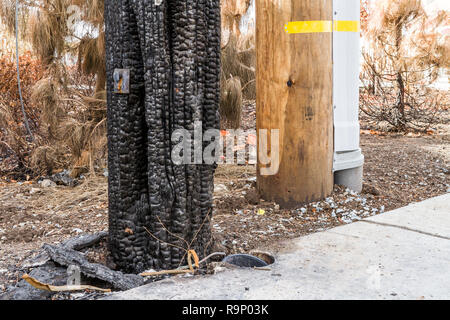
[{"x": 294, "y": 95}]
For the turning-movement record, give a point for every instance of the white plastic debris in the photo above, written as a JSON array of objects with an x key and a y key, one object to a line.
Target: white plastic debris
[
  {"x": 220, "y": 188},
  {"x": 47, "y": 183}
]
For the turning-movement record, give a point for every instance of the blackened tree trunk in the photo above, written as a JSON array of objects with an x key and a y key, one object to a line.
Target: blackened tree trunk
[{"x": 172, "y": 50}]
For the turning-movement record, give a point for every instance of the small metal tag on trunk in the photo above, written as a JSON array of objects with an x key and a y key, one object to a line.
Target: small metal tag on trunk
[{"x": 121, "y": 81}]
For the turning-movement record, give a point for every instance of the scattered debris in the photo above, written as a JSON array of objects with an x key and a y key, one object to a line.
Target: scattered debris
[
  {"x": 220, "y": 188},
  {"x": 67, "y": 257},
  {"x": 191, "y": 254},
  {"x": 35, "y": 190},
  {"x": 43, "y": 286},
  {"x": 165, "y": 272},
  {"x": 77, "y": 243},
  {"x": 204, "y": 260},
  {"x": 63, "y": 178},
  {"x": 49, "y": 273},
  {"x": 371, "y": 189},
  {"x": 84, "y": 241},
  {"x": 47, "y": 183}
]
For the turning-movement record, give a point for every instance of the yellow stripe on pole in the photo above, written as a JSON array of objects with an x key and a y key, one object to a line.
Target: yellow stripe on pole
[
  {"x": 321, "y": 26},
  {"x": 308, "y": 26}
]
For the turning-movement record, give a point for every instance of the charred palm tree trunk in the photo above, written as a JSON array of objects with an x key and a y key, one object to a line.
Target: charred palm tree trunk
[{"x": 171, "y": 49}]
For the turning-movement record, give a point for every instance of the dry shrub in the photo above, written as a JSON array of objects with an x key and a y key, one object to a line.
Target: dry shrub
[
  {"x": 46, "y": 96},
  {"x": 396, "y": 12},
  {"x": 47, "y": 159},
  {"x": 30, "y": 71},
  {"x": 91, "y": 59},
  {"x": 247, "y": 57},
  {"x": 82, "y": 164},
  {"x": 238, "y": 71},
  {"x": 73, "y": 113},
  {"x": 13, "y": 135},
  {"x": 92, "y": 10},
  {"x": 8, "y": 13},
  {"x": 13, "y": 141},
  {"x": 95, "y": 11},
  {"x": 232, "y": 12},
  {"x": 48, "y": 30},
  {"x": 41, "y": 36},
  {"x": 404, "y": 59},
  {"x": 239, "y": 60},
  {"x": 77, "y": 124},
  {"x": 231, "y": 103},
  {"x": 68, "y": 116},
  {"x": 8, "y": 16}
]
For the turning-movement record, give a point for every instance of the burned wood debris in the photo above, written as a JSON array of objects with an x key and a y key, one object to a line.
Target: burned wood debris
[{"x": 51, "y": 265}]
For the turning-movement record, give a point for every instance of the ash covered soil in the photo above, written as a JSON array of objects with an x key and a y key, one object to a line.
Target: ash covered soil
[{"x": 399, "y": 170}]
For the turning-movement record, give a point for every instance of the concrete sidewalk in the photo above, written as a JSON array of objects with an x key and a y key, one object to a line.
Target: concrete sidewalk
[{"x": 401, "y": 254}]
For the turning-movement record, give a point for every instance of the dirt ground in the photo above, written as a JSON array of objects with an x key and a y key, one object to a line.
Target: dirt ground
[{"x": 399, "y": 169}]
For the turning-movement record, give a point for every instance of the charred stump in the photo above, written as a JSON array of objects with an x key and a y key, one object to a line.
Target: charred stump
[{"x": 171, "y": 51}]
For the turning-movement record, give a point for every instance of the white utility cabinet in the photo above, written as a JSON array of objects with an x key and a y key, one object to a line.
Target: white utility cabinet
[{"x": 348, "y": 159}]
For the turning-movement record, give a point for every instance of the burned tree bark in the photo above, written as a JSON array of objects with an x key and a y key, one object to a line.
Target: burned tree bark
[{"x": 172, "y": 51}]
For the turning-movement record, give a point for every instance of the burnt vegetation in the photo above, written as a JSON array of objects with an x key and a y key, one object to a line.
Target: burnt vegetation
[{"x": 405, "y": 57}]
